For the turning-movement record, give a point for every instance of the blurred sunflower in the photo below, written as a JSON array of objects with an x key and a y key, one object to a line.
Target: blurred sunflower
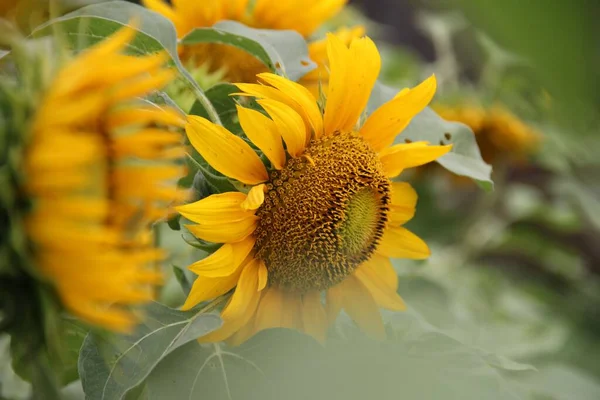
[
  {"x": 98, "y": 166},
  {"x": 6, "y": 6},
  {"x": 234, "y": 64},
  {"x": 325, "y": 217},
  {"x": 501, "y": 135}
]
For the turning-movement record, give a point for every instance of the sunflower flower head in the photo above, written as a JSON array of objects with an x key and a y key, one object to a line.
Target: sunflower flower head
[
  {"x": 238, "y": 66},
  {"x": 96, "y": 165},
  {"x": 322, "y": 217},
  {"x": 500, "y": 134}
]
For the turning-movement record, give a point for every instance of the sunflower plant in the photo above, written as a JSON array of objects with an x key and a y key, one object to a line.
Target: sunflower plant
[{"x": 278, "y": 163}]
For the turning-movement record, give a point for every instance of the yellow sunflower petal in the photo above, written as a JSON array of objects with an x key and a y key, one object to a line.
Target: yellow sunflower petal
[
  {"x": 113, "y": 318},
  {"x": 308, "y": 108},
  {"x": 263, "y": 276},
  {"x": 162, "y": 8},
  {"x": 314, "y": 317},
  {"x": 390, "y": 119},
  {"x": 292, "y": 311},
  {"x": 353, "y": 74},
  {"x": 368, "y": 274},
  {"x": 227, "y": 153},
  {"x": 262, "y": 92},
  {"x": 141, "y": 87},
  {"x": 270, "y": 310},
  {"x": 289, "y": 123},
  {"x": 204, "y": 289},
  {"x": 217, "y": 209},
  {"x": 401, "y": 156},
  {"x": 385, "y": 269},
  {"x": 404, "y": 201},
  {"x": 399, "y": 242},
  {"x": 225, "y": 260},
  {"x": 229, "y": 232},
  {"x": 264, "y": 134},
  {"x": 241, "y": 307},
  {"x": 256, "y": 196},
  {"x": 361, "y": 307}
]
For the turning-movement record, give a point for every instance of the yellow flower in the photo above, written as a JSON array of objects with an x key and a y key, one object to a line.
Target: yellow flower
[
  {"x": 500, "y": 134},
  {"x": 99, "y": 168},
  {"x": 325, "y": 217},
  {"x": 301, "y": 16}
]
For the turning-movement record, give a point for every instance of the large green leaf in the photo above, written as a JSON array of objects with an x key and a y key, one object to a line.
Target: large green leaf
[
  {"x": 282, "y": 51},
  {"x": 111, "y": 366},
  {"x": 464, "y": 159},
  {"x": 282, "y": 364},
  {"x": 91, "y": 24}
]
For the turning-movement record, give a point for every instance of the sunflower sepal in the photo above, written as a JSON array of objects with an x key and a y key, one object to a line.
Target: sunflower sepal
[{"x": 200, "y": 244}]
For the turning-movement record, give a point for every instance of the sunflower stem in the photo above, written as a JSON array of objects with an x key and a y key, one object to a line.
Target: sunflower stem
[{"x": 202, "y": 99}]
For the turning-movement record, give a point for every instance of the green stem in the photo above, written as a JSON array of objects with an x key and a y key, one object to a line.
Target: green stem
[
  {"x": 43, "y": 380},
  {"x": 201, "y": 97}
]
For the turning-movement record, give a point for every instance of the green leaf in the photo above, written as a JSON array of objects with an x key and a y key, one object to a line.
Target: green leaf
[
  {"x": 561, "y": 382},
  {"x": 110, "y": 366},
  {"x": 92, "y": 24},
  {"x": 182, "y": 279},
  {"x": 221, "y": 99},
  {"x": 283, "y": 51},
  {"x": 464, "y": 159},
  {"x": 283, "y": 364}
]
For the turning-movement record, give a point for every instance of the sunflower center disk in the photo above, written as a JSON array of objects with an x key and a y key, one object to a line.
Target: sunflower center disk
[{"x": 323, "y": 214}]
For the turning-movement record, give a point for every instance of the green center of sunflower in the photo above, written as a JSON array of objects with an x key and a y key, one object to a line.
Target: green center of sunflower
[{"x": 323, "y": 214}]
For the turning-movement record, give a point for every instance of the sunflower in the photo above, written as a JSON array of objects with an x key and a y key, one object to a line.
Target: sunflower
[
  {"x": 324, "y": 218},
  {"x": 501, "y": 135},
  {"x": 237, "y": 65},
  {"x": 99, "y": 166}
]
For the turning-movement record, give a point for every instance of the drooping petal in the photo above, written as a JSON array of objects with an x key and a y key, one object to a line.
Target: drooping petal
[
  {"x": 292, "y": 311},
  {"x": 408, "y": 155},
  {"x": 368, "y": 274},
  {"x": 384, "y": 268},
  {"x": 270, "y": 310},
  {"x": 353, "y": 74},
  {"x": 256, "y": 196},
  {"x": 289, "y": 123},
  {"x": 399, "y": 242},
  {"x": 314, "y": 317},
  {"x": 264, "y": 134},
  {"x": 404, "y": 201},
  {"x": 362, "y": 308},
  {"x": 390, "y": 119},
  {"x": 263, "y": 276},
  {"x": 225, "y": 261},
  {"x": 242, "y": 306},
  {"x": 225, "y": 152}
]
